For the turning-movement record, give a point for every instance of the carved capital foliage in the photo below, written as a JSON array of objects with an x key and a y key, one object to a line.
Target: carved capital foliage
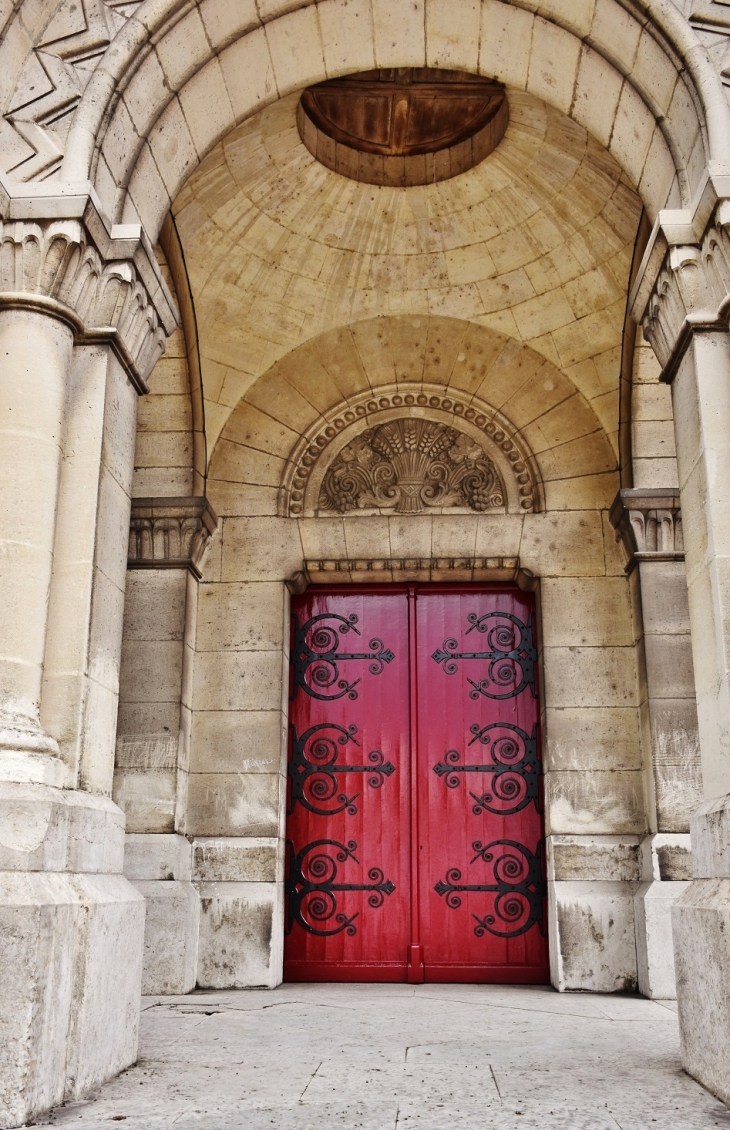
[
  {"x": 407, "y": 449},
  {"x": 170, "y": 533},
  {"x": 108, "y": 287},
  {"x": 649, "y": 523},
  {"x": 691, "y": 293}
]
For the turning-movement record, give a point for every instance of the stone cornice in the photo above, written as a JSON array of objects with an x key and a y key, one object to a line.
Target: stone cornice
[
  {"x": 649, "y": 522},
  {"x": 417, "y": 569},
  {"x": 59, "y": 256},
  {"x": 170, "y": 533}
]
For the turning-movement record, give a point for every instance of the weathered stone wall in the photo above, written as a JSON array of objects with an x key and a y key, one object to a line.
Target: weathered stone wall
[{"x": 323, "y": 307}]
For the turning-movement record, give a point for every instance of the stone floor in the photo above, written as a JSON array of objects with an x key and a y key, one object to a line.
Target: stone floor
[{"x": 381, "y": 1057}]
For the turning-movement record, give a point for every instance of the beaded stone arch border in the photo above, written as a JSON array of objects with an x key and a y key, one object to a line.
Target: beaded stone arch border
[{"x": 322, "y": 443}]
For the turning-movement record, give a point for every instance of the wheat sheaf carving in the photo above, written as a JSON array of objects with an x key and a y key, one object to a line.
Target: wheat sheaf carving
[{"x": 411, "y": 465}]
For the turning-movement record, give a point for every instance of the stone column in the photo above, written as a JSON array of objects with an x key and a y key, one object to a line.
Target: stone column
[
  {"x": 35, "y": 353},
  {"x": 167, "y": 544},
  {"x": 83, "y": 317},
  {"x": 682, "y": 299},
  {"x": 701, "y": 918},
  {"x": 648, "y": 520}
]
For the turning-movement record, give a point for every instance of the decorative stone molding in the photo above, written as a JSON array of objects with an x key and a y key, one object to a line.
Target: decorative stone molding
[
  {"x": 649, "y": 523},
  {"x": 409, "y": 465},
  {"x": 691, "y": 293},
  {"x": 473, "y": 435},
  {"x": 108, "y": 287},
  {"x": 418, "y": 569},
  {"x": 170, "y": 533},
  {"x": 53, "y": 78}
]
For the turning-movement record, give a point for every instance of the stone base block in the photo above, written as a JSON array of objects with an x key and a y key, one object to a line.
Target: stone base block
[
  {"x": 71, "y": 968},
  {"x": 172, "y": 922},
  {"x": 241, "y": 935},
  {"x": 654, "y": 951},
  {"x": 157, "y": 855},
  {"x": 666, "y": 856},
  {"x": 592, "y": 945},
  {"x": 49, "y": 829},
  {"x": 701, "y": 931}
]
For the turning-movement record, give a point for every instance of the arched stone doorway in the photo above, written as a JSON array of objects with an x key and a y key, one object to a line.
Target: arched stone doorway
[
  {"x": 601, "y": 112},
  {"x": 533, "y": 250}
]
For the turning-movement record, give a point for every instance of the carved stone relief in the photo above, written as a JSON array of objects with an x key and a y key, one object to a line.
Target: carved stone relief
[
  {"x": 690, "y": 293},
  {"x": 170, "y": 533},
  {"x": 53, "y": 78},
  {"x": 410, "y": 465},
  {"x": 410, "y": 449},
  {"x": 648, "y": 520},
  {"x": 376, "y": 570},
  {"x": 109, "y": 289}
]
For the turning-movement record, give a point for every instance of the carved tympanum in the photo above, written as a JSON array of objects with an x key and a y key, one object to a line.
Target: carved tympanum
[{"x": 410, "y": 465}]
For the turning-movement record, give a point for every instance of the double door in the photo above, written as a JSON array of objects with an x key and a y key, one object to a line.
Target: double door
[{"x": 414, "y": 816}]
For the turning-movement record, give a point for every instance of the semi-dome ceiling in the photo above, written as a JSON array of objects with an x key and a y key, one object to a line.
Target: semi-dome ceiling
[{"x": 535, "y": 242}]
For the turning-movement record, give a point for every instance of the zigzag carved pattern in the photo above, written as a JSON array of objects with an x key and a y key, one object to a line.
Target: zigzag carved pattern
[
  {"x": 710, "y": 15},
  {"x": 711, "y": 20},
  {"x": 54, "y": 76}
]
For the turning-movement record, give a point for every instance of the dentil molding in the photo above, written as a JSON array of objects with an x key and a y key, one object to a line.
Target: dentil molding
[
  {"x": 58, "y": 257},
  {"x": 170, "y": 533},
  {"x": 416, "y": 569}
]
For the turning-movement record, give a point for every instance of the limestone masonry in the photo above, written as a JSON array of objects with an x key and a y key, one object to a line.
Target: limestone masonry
[{"x": 486, "y": 345}]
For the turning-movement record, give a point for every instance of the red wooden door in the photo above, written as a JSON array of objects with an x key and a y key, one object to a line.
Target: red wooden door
[
  {"x": 414, "y": 827},
  {"x": 480, "y": 826},
  {"x": 348, "y": 824}
]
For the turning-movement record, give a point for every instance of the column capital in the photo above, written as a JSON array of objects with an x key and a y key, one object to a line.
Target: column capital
[
  {"x": 649, "y": 522},
  {"x": 59, "y": 256},
  {"x": 170, "y": 533},
  {"x": 683, "y": 283}
]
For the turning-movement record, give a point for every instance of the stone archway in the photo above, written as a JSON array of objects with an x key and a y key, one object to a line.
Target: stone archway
[{"x": 96, "y": 153}]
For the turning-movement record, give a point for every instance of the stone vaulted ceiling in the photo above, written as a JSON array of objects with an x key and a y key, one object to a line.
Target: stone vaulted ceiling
[{"x": 535, "y": 243}]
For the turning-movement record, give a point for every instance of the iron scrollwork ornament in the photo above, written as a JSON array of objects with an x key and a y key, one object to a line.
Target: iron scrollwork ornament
[
  {"x": 316, "y": 656},
  {"x": 515, "y": 768},
  {"x": 312, "y": 889},
  {"x": 511, "y": 654},
  {"x": 517, "y": 885},
  {"x": 313, "y": 769}
]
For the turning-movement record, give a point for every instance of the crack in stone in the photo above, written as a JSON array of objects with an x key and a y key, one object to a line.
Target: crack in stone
[{"x": 301, "y": 1097}]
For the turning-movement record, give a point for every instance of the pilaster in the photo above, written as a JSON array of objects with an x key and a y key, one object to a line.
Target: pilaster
[
  {"x": 649, "y": 523},
  {"x": 682, "y": 298},
  {"x": 168, "y": 539}
]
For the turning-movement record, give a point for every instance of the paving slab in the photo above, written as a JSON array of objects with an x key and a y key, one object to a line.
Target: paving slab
[{"x": 400, "y": 1057}]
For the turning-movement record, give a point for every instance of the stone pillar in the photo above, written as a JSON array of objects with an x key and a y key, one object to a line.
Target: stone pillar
[
  {"x": 648, "y": 520},
  {"x": 682, "y": 299},
  {"x": 701, "y": 918},
  {"x": 167, "y": 543},
  {"x": 83, "y": 316},
  {"x": 35, "y": 349}
]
